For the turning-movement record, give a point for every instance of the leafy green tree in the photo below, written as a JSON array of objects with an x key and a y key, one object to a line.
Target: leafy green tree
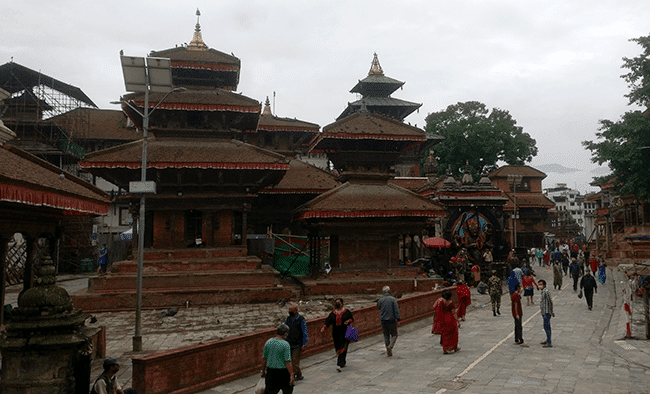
[
  {"x": 625, "y": 144},
  {"x": 478, "y": 136}
]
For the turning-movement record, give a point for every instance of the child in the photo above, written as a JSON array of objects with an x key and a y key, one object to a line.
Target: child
[{"x": 528, "y": 282}]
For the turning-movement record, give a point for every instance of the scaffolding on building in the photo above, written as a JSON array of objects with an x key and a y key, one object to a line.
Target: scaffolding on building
[{"x": 44, "y": 113}]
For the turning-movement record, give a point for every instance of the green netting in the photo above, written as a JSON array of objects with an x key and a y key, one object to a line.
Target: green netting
[
  {"x": 284, "y": 263},
  {"x": 291, "y": 255}
]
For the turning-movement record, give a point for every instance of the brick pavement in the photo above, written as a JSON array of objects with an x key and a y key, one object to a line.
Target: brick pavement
[{"x": 588, "y": 355}]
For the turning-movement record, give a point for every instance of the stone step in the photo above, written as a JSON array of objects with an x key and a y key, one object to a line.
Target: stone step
[
  {"x": 185, "y": 280},
  {"x": 398, "y": 273},
  {"x": 214, "y": 264},
  {"x": 194, "y": 253},
  {"x": 177, "y": 298},
  {"x": 364, "y": 286}
]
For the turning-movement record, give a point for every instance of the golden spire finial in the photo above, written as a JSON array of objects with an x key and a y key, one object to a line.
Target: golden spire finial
[
  {"x": 197, "y": 43},
  {"x": 375, "y": 67}
]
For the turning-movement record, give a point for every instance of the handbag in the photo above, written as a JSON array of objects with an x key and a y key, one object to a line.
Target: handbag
[
  {"x": 260, "y": 386},
  {"x": 351, "y": 334},
  {"x": 580, "y": 294}
]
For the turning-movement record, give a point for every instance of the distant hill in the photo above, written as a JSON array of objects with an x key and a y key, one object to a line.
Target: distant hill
[{"x": 555, "y": 167}]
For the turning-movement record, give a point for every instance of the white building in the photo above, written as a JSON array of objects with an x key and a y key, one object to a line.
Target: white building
[{"x": 568, "y": 200}]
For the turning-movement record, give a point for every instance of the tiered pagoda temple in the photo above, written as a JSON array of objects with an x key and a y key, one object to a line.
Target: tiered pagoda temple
[
  {"x": 375, "y": 91},
  {"x": 365, "y": 216},
  {"x": 207, "y": 180}
]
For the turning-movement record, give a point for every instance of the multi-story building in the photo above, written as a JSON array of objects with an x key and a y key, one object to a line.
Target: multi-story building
[{"x": 569, "y": 204}]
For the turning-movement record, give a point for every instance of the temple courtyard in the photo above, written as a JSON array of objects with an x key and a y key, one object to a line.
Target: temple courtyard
[{"x": 590, "y": 354}]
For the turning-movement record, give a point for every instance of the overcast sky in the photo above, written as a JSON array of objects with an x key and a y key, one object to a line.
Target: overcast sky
[{"x": 553, "y": 64}]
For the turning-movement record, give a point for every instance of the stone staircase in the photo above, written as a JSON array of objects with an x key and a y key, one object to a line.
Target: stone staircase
[{"x": 174, "y": 278}]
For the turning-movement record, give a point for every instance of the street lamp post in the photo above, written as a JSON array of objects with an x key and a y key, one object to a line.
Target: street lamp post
[
  {"x": 144, "y": 75},
  {"x": 514, "y": 180}
]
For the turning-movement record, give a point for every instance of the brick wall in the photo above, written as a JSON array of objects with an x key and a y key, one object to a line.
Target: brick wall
[{"x": 197, "y": 367}]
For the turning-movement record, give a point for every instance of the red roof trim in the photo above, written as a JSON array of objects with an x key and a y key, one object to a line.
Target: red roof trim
[
  {"x": 469, "y": 194},
  {"x": 287, "y": 128},
  {"x": 203, "y": 66},
  {"x": 24, "y": 195},
  {"x": 293, "y": 191},
  {"x": 369, "y": 214},
  {"x": 163, "y": 165},
  {"x": 374, "y": 137},
  {"x": 202, "y": 107}
]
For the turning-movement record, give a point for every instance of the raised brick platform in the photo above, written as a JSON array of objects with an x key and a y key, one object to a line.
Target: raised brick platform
[
  {"x": 171, "y": 278},
  {"x": 346, "y": 282}
]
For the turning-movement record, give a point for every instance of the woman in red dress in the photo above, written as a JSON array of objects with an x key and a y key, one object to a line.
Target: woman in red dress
[
  {"x": 464, "y": 299},
  {"x": 447, "y": 323}
]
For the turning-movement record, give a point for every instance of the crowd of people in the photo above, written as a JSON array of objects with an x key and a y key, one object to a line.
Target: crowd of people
[{"x": 281, "y": 355}]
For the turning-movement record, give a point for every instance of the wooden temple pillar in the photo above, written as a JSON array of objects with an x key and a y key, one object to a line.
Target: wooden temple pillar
[
  {"x": 315, "y": 255},
  {"x": 3, "y": 278},
  {"x": 244, "y": 227}
]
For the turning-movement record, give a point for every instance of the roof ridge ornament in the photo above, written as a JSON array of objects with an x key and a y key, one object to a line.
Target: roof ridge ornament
[
  {"x": 197, "y": 43},
  {"x": 267, "y": 107},
  {"x": 375, "y": 67}
]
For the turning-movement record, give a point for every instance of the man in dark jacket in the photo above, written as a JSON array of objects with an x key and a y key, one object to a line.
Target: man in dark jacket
[
  {"x": 574, "y": 270},
  {"x": 297, "y": 337},
  {"x": 588, "y": 284}
]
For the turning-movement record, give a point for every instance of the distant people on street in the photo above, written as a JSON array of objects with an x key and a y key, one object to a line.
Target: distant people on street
[
  {"x": 527, "y": 282},
  {"x": 581, "y": 261},
  {"x": 107, "y": 382},
  {"x": 517, "y": 313},
  {"x": 487, "y": 257},
  {"x": 557, "y": 276},
  {"x": 557, "y": 256},
  {"x": 546, "y": 310},
  {"x": 546, "y": 259},
  {"x": 540, "y": 256},
  {"x": 448, "y": 323},
  {"x": 339, "y": 319},
  {"x": 389, "y": 316},
  {"x": 277, "y": 369},
  {"x": 464, "y": 299},
  {"x": 495, "y": 288},
  {"x": 476, "y": 275},
  {"x": 565, "y": 263},
  {"x": 593, "y": 263},
  {"x": 574, "y": 270},
  {"x": 102, "y": 260},
  {"x": 297, "y": 338},
  {"x": 602, "y": 273},
  {"x": 519, "y": 272},
  {"x": 589, "y": 286}
]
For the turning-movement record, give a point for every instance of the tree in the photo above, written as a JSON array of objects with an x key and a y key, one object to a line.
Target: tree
[
  {"x": 475, "y": 135},
  {"x": 625, "y": 144}
]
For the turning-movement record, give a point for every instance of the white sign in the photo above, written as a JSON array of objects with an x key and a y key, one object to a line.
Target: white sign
[{"x": 148, "y": 187}]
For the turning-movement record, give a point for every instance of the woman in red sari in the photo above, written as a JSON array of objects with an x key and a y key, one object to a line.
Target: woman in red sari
[{"x": 447, "y": 323}]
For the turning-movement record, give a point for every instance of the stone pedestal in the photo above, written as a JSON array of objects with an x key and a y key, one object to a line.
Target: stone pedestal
[{"x": 46, "y": 347}]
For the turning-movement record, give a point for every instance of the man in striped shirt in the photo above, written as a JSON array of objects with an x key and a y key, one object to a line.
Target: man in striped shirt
[{"x": 546, "y": 310}]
